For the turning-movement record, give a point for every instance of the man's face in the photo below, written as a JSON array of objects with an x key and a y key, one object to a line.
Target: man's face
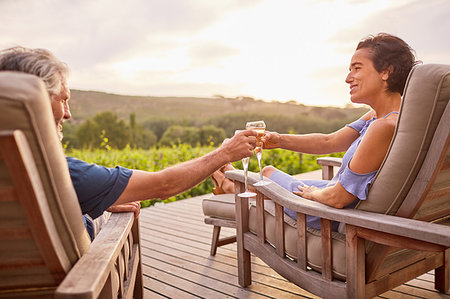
[{"x": 60, "y": 108}]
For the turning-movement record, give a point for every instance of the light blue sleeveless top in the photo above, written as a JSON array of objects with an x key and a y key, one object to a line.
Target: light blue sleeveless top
[{"x": 355, "y": 183}]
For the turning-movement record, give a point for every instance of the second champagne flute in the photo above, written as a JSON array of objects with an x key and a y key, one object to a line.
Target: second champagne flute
[
  {"x": 260, "y": 127},
  {"x": 245, "y": 161}
]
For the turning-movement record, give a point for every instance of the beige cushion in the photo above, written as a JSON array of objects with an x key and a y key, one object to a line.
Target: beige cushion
[
  {"x": 314, "y": 243},
  {"x": 220, "y": 206},
  {"x": 25, "y": 105},
  {"x": 426, "y": 95}
]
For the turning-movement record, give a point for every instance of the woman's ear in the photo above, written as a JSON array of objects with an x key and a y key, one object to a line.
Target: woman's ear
[{"x": 387, "y": 72}]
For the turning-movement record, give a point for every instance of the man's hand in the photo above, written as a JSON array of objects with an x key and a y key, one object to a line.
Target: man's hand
[
  {"x": 134, "y": 207},
  {"x": 271, "y": 140},
  {"x": 240, "y": 145}
]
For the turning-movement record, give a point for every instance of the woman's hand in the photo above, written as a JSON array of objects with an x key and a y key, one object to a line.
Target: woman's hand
[
  {"x": 334, "y": 196},
  {"x": 271, "y": 140},
  {"x": 306, "y": 191}
]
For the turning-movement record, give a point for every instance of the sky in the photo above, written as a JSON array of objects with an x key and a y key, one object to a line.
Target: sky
[{"x": 279, "y": 50}]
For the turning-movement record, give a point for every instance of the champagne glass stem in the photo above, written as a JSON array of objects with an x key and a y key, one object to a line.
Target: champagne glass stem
[
  {"x": 245, "y": 164},
  {"x": 259, "y": 156}
]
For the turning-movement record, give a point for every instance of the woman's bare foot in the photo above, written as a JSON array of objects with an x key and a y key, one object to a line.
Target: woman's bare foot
[
  {"x": 221, "y": 183},
  {"x": 268, "y": 170}
]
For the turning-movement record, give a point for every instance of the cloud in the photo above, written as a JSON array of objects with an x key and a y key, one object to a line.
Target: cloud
[
  {"x": 85, "y": 32},
  {"x": 206, "y": 53},
  {"x": 262, "y": 48},
  {"x": 422, "y": 24}
]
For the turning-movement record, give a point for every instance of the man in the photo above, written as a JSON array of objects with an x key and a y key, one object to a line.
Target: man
[{"x": 117, "y": 189}]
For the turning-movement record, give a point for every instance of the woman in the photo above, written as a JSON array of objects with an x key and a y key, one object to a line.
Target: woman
[{"x": 377, "y": 76}]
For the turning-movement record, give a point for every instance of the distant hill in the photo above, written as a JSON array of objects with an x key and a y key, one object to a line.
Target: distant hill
[{"x": 85, "y": 104}]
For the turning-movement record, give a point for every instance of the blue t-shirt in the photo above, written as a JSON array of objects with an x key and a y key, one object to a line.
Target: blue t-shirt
[{"x": 97, "y": 187}]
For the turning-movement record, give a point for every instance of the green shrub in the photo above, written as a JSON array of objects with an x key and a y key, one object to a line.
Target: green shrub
[{"x": 155, "y": 159}]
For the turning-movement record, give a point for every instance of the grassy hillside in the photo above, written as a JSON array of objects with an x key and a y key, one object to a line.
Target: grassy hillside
[{"x": 85, "y": 104}]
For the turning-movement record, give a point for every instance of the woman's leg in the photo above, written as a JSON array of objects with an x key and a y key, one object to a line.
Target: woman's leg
[{"x": 290, "y": 183}]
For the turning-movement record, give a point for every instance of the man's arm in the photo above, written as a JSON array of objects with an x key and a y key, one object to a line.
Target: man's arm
[{"x": 173, "y": 180}]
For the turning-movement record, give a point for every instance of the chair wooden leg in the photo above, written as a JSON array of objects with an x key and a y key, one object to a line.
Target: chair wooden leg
[
  {"x": 215, "y": 240},
  {"x": 138, "y": 292},
  {"x": 355, "y": 256},
  {"x": 244, "y": 266},
  {"x": 441, "y": 274}
]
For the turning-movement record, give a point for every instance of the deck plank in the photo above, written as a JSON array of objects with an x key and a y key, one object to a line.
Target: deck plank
[
  {"x": 176, "y": 262},
  {"x": 226, "y": 273}
]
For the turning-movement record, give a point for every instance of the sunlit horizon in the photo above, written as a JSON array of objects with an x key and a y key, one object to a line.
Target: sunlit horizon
[{"x": 264, "y": 49}]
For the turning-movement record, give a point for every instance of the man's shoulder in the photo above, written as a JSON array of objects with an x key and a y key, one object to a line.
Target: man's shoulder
[{"x": 74, "y": 162}]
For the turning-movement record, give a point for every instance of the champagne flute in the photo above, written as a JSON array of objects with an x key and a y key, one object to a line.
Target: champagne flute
[
  {"x": 245, "y": 161},
  {"x": 260, "y": 128}
]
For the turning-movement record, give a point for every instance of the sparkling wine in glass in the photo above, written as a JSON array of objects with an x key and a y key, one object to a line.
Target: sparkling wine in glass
[
  {"x": 245, "y": 161},
  {"x": 260, "y": 127}
]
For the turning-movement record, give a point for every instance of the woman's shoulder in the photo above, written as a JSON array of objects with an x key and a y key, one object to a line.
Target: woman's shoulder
[{"x": 381, "y": 129}]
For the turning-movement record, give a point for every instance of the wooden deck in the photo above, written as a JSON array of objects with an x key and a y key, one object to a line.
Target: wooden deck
[{"x": 177, "y": 264}]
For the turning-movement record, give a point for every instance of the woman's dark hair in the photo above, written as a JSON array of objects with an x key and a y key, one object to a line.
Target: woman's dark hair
[{"x": 390, "y": 53}]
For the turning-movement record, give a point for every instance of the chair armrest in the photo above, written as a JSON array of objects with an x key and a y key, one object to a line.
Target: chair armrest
[
  {"x": 328, "y": 164},
  {"x": 393, "y": 225},
  {"x": 96, "y": 268}
]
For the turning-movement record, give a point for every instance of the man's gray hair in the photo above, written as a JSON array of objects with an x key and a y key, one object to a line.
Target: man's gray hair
[{"x": 39, "y": 62}]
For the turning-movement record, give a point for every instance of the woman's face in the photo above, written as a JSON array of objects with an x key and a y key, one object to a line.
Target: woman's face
[{"x": 366, "y": 84}]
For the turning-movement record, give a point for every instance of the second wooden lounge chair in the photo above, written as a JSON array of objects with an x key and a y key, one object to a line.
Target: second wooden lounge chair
[
  {"x": 397, "y": 234},
  {"x": 45, "y": 250}
]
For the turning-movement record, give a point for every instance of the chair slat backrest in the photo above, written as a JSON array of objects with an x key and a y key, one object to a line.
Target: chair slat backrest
[
  {"x": 414, "y": 163},
  {"x": 32, "y": 255},
  {"x": 429, "y": 197},
  {"x": 25, "y": 106},
  {"x": 426, "y": 95}
]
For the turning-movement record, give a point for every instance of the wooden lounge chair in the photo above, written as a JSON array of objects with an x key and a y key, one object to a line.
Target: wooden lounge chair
[
  {"x": 400, "y": 232},
  {"x": 220, "y": 210},
  {"x": 45, "y": 250}
]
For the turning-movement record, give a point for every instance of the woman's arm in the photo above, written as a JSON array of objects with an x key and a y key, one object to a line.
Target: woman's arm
[
  {"x": 314, "y": 143},
  {"x": 367, "y": 158}
]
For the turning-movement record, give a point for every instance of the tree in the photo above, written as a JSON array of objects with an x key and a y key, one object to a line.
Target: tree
[
  {"x": 177, "y": 134},
  {"x": 70, "y": 139},
  {"x": 159, "y": 125},
  {"x": 211, "y": 135},
  {"x": 91, "y": 134}
]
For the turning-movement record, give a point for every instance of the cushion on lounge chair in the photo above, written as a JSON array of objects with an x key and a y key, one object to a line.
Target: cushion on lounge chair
[
  {"x": 23, "y": 103},
  {"x": 314, "y": 245},
  {"x": 416, "y": 124},
  {"x": 220, "y": 206}
]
